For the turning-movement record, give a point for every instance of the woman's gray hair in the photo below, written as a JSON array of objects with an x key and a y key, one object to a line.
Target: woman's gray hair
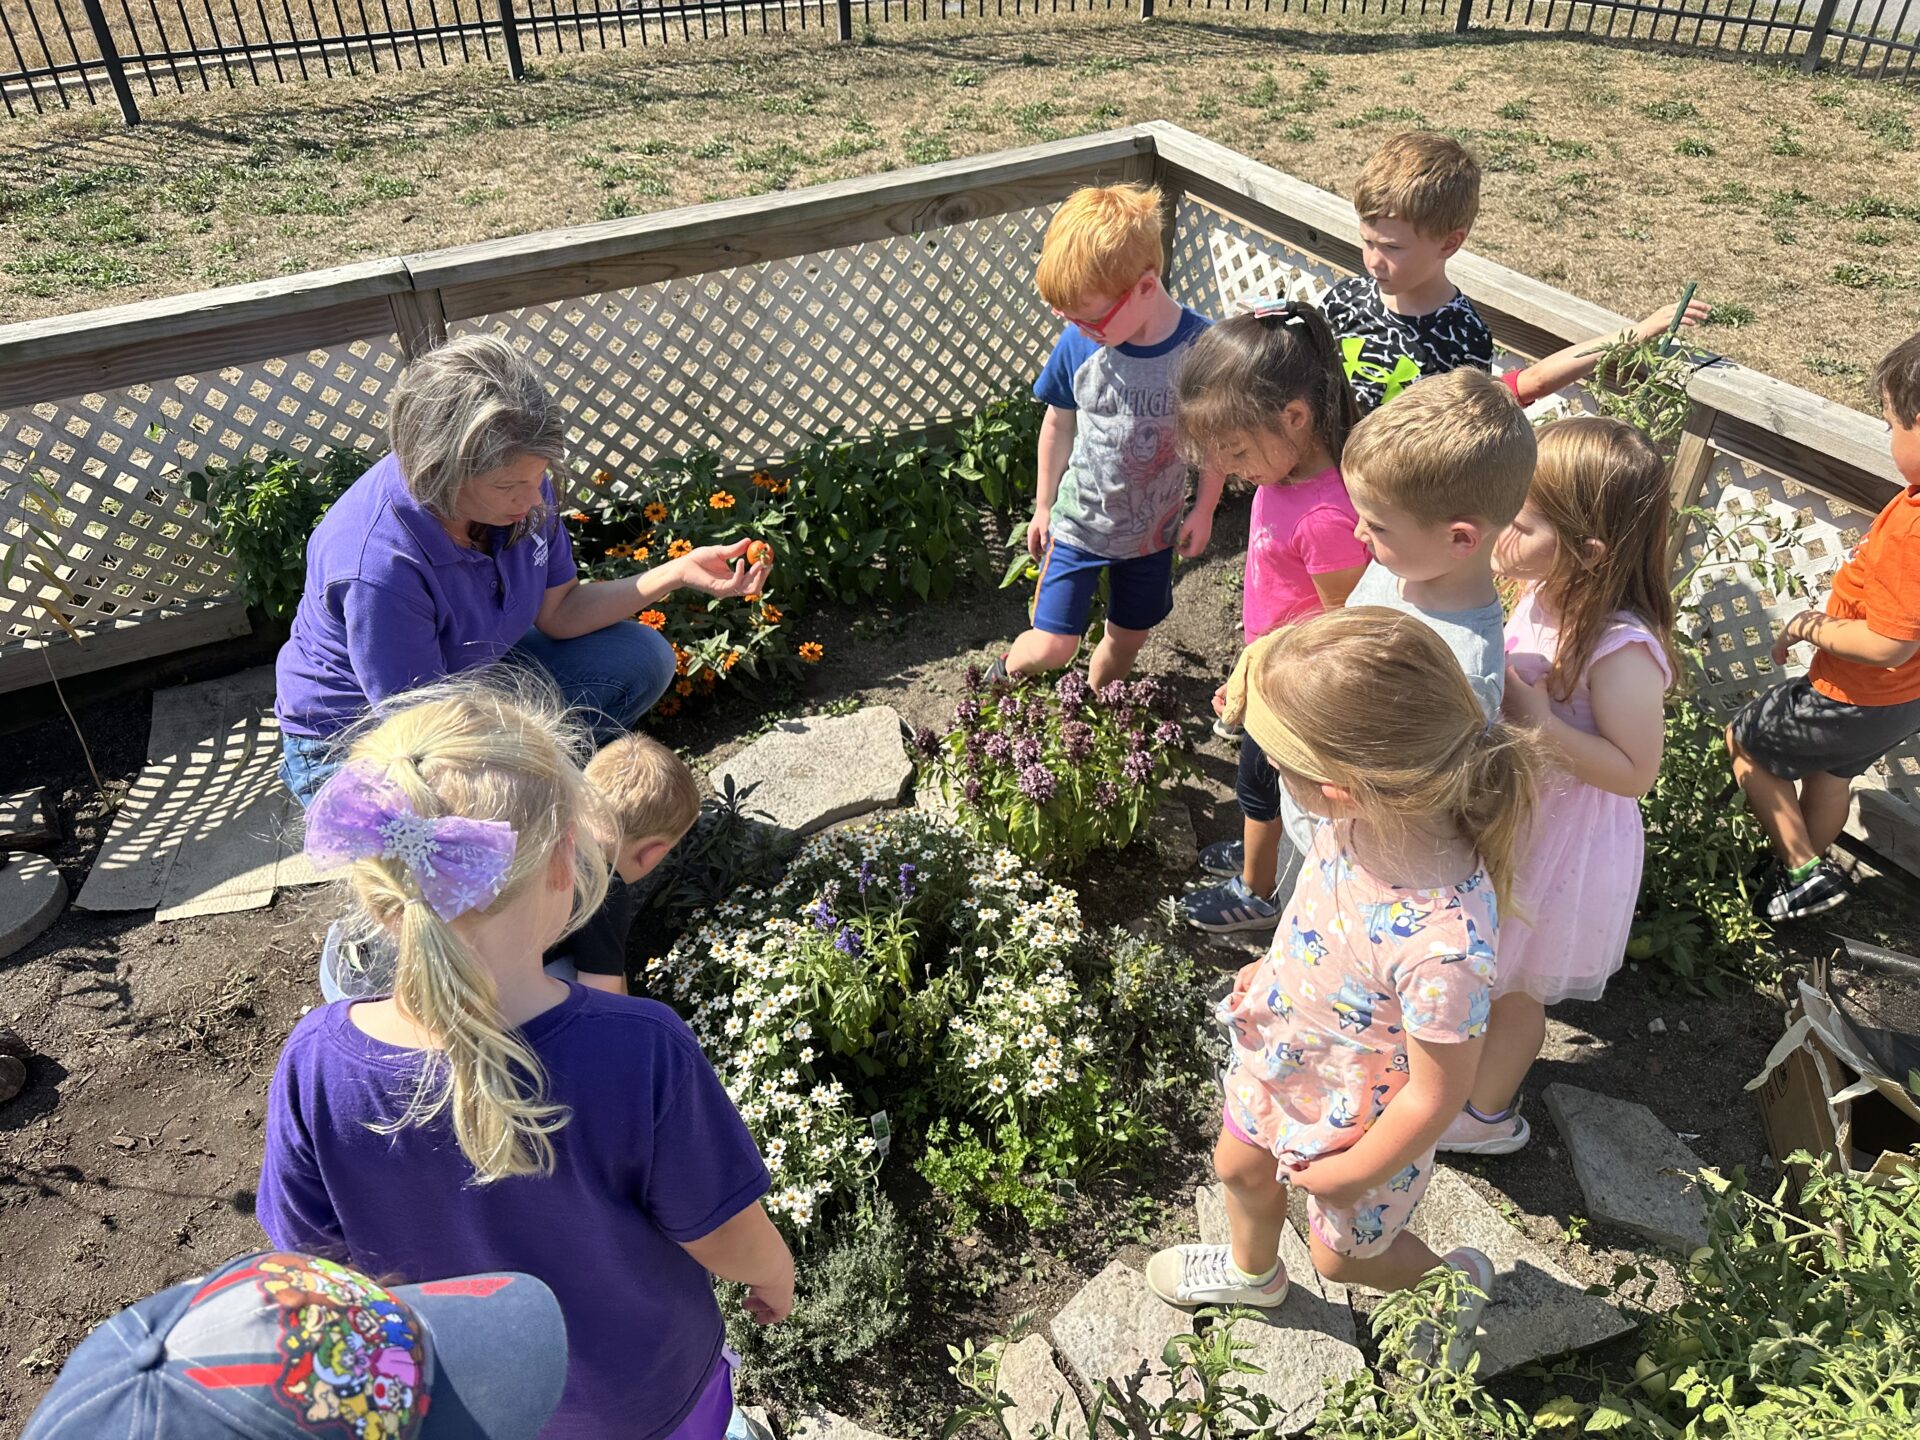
[{"x": 467, "y": 407}]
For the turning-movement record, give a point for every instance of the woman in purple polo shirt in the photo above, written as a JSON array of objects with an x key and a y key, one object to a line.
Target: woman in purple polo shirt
[{"x": 450, "y": 554}]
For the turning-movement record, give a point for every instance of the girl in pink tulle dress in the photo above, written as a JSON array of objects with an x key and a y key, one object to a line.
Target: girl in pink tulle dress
[{"x": 1589, "y": 661}]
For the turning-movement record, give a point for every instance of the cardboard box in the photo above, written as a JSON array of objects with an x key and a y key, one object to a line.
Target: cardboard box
[{"x": 1810, "y": 1100}]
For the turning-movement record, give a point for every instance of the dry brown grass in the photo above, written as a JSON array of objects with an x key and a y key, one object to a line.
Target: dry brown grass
[{"x": 1793, "y": 201}]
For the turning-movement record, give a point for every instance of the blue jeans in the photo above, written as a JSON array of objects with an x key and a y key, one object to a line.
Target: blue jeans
[{"x": 611, "y": 676}]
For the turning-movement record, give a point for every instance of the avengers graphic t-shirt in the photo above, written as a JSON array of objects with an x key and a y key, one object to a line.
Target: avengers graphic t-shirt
[
  {"x": 1383, "y": 353},
  {"x": 1125, "y": 480}
]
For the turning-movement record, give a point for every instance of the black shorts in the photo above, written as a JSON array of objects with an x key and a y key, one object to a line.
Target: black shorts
[{"x": 1793, "y": 730}]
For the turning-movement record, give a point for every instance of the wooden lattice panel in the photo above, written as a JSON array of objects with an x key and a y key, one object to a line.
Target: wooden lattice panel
[
  {"x": 128, "y": 537},
  {"x": 1742, "y": 617},
  {"x": 749, "y": 362}
]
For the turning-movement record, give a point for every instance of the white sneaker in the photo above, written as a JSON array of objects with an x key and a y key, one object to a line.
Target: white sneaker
[
  {"x": 1466, "y": 1135},
  {"x": 1206, "y": 1275},
  {"x": 1476, "y": 1274}
]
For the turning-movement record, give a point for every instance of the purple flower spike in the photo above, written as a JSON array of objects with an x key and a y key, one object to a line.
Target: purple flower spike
[
  {"x": 973, "y": 790},
  {"x": 1027, "y": 751},
  {"x": 967, "y": 712},
  {"x": 907, "y": 887},
  {"x": 1008, "y": 705},
  {"x": 1138, "y": 767},
  {"x": 1037, "y": 783},
  {"x": 1106, "y": 794},
  {"x": 974, "y": 676},
  {"x": 1114, "y": 692},
  {"x": 866, "y": 875},
  {"x": 821, "y": 913},
  {"x": 999, "y": 748},
  {"x": 1167, "y": 732},
  {"x": 1076, "y": 739},
  {"x": 847, "y": 942},
  {"x": 926, "y": 742}
]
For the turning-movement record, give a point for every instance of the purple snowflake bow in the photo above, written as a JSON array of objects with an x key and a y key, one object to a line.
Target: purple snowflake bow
[{"x": 458, "y": 863}]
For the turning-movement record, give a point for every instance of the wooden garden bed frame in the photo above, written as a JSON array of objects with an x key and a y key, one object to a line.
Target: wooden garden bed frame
[{"x": 54, "y": 372}]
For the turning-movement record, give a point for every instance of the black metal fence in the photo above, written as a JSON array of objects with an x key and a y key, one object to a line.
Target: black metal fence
[{"x": 59, "y": 53}]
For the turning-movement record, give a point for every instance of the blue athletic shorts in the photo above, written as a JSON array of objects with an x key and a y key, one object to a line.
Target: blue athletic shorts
[{"x": 1139, "y": 591}]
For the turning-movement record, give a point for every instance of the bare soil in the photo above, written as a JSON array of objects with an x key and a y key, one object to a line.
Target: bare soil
[
  {"x": 130, "y": 1160},
  {"x": 1614, "y": 170}
]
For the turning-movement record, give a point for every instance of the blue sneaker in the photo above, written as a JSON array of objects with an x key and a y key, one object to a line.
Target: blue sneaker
[
  {"x": 1228, "y": 907},
  {"x": 1225, "y": 858}
]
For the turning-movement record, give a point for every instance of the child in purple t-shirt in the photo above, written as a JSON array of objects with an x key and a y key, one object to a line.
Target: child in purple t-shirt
[
  {"x": 488, "y": 1117},
  {"x": 1263, "y": 397}
]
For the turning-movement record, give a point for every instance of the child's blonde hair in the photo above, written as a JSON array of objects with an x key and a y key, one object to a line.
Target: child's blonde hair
[
  {"x": 500, "y": 748},
  {"x": 1429, "y": 180},
  {"x": 1372, "y": 700},
  {"x": 649, "y": 789},
  {"x": 1100, "y": 241},
  {"x": 1602, "y": 480},
  {"x": 1455, "y": 446},
  {"x": 1241, "y": 373}
]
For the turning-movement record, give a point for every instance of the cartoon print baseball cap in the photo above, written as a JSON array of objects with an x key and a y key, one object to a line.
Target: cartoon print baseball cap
[{"x": 285, "y": 1346}]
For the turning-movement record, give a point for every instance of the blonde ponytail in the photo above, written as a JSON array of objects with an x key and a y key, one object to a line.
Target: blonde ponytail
[
  {"x": 1372, "y": 700},
  {"x": 498, "y": 748}
]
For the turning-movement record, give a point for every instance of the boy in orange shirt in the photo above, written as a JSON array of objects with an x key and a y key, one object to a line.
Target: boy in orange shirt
[{"x": 1860, "y": 697}]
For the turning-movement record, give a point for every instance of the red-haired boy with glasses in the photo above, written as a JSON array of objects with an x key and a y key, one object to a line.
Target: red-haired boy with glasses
[{"x": 1112, "y": 483}]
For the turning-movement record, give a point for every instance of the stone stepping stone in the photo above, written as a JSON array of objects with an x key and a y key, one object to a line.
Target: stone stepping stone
[
  {"x": 1030, "y": 1379},
  {"x": 28, "y": 820},
  {"x": 1624, "y": 1159},
  {"x": 820, "y": 1424},
  {"x": 1114, "y": 1326},
  {"x": 815, "y": 772},
  {"x": 1535, "y": 1310},
  {"x": 32, "y": 895},
  {"x": 1303, "y": 1345}
]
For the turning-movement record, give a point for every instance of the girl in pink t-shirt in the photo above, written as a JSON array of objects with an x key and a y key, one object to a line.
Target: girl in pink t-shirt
[
  {"x": 1264, "y": 396},
  {"x": 1589, "y": 662}
]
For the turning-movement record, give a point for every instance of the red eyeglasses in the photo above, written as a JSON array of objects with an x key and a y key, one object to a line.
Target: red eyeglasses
[{"x": 1098, "y": 327}]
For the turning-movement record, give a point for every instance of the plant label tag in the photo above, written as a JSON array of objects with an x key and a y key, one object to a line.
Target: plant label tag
[{"x": 882, "y": 1134}]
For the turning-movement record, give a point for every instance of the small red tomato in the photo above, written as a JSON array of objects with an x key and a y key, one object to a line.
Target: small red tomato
[{"x": 759, "y": 552}]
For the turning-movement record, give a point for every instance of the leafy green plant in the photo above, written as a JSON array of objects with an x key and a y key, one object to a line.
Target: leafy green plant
[
  {"x": 973, "y": 1176},
  {"x": 997, "y": 453},
  {"x": 852, "y": 1293},
  {"x": 1642, "y": 383},
  {"x": 1057, "y": 771},
  {"x": 264, "y": 510}
]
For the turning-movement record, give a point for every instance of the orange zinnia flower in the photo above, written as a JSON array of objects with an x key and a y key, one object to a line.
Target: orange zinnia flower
[
  {"x": 753, "y": 599},
  {"x": 640, "y": 552},
  {"x": 668, "y": 707},
  {"x": 769, "y": 615},
  {"x": 708, "y": 679},
  {"x": 683, "y": 687},
  {"x": 654, "y": 618},
  {"x": 577, "y": 515},
  {"x": 811, "y": 651},
  {"x": 730, "y": 659},
  {"x": 601, "y": 477},
  {"x": 763, "y": 480},
  {"x": 654, "y": 511},
  {"x": 619, "y": 552},
  {"x": 777, "y": 487},
  {"x": 720, "y": 500},
  {"x": 680, "y": 658},
  {"x": 678, "y": 548}
]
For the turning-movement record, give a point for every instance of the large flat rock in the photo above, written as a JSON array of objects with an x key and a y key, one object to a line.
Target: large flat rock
[
  {"x": 814, "y": 772},
  {"x": 1030, "y": 1379},
  {"x": 1536, "y": 1309},
  {"x": 28, "y": 820},
  {"x": 1300, "y": 1347},
  {"x": 1631, "y": 1168},
  {"x": 825, "y": 1425},
  {"x": 1116, "y": 1325},
  {"x": 32, "y": 895}
]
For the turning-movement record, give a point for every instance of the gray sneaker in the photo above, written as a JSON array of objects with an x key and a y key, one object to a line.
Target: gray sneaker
[
  {"x": 1229, "y": 907},
  {"x": 1224, "y": 858}
]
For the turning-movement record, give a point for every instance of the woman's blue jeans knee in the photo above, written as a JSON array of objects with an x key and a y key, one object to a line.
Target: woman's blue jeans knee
[
  {"x": 612, "y": 675},
  {"x": 305, "y": 765}
]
